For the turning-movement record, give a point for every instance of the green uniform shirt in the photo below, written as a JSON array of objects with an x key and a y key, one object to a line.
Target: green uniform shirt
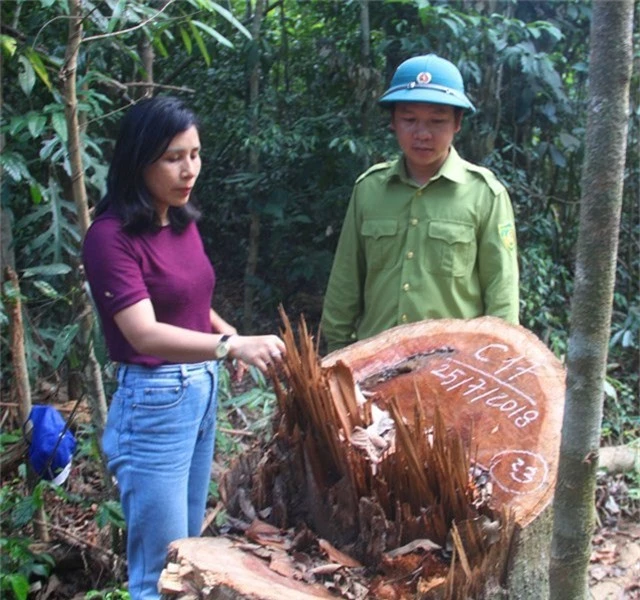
[{"x": 408, "y": 252}]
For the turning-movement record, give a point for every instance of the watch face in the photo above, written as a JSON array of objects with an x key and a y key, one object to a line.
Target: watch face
[{"x": 222, "y": 349}]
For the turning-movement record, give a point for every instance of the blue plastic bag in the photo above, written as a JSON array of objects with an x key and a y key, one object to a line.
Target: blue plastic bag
[{"x": 51, "y": 447}]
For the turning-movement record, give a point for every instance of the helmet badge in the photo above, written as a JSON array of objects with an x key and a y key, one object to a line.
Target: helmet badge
[{"x": 423, "y": 78}]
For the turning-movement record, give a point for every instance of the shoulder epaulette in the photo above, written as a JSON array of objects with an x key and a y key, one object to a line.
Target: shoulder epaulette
[
  {"x": 373, "y": 169},
  {"x": 495, "y": 185}
]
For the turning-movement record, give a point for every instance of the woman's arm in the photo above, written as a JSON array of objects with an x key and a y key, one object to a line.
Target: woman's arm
[{"x": 139, "y": 326}]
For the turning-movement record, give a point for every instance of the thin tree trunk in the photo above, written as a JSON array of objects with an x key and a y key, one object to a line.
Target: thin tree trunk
[
  {"x": 93, "y": 373},
  {"x": 365, "y": 70},
  {"x": 254, "y": 166},
  {"x": 21, "y": 386},
  {"x": 145, "y": 50},
  {"x": 602, "y": 183}
]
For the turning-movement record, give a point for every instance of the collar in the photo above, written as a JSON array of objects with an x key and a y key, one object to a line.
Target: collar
[{"x": 453, "y": 168}]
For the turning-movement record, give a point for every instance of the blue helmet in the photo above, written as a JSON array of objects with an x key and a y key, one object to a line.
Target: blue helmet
[{"x": 427, "y": 78}]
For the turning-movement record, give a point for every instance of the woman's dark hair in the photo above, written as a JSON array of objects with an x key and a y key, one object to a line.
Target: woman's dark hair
[{"x": 145, "y": 133}]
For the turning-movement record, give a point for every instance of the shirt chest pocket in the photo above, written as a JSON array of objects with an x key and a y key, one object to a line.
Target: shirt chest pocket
[
  {"x": 380, "y": 243},
  {"x": 451, "y": 248}
]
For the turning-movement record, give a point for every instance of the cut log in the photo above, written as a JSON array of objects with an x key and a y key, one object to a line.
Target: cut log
[
  {"x": 428, "y": 454},
  {"x": 619, "y": 459},
  {"x": 218, "y": 568}
]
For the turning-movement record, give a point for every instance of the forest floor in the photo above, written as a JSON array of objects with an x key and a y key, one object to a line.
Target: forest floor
[
  {"x": 86, "y": 562},
  {"x": 89, "y": 562}
]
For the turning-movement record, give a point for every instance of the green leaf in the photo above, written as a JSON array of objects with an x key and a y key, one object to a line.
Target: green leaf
[
  {"x": 59, "y": 124},
  {"x": 23, "y": 511},
  {"x": 610, "y": 391},
  {"x": 110, "y": 511},
  {"x": 36, "y": 193},
  {"x": 186, "y": 40},
  {"x": 27, "y": 76},
  {"x": 46, "y": 289},
  {"x": 62, "y": 344},
  {"x": 115, "y": 16},
  {"x": 36, "y": 124},
  {"x": 38, "y": 67},
  {"x": 200, "y": 43},
  {"x": 17, "y": 124},
  {"x": 213, "y": 33},
  {"x": 19, "y": 585},
  {"x": 229, "y": 17},
  {"x": 14, "y": 166},
  {"x": 9, "y": 44},
  {"x": 47, "y": 270}
]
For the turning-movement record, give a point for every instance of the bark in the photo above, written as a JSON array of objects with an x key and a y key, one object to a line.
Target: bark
[
  {"x": 602, "y": 182},
  {"x": 93, "y": 373},
  {"x": 147, "y": 55},
  {"x": 365, "y": 70},
  {"x": 21, "y": 386},
  {"x": 254, "y": 167},
  {"x": 7, "y": 257}
]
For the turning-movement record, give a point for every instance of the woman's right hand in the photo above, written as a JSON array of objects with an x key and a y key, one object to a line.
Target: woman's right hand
[{"x": 257, "y": 350}]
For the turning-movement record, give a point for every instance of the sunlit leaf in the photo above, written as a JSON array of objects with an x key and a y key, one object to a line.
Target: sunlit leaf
[
  {"x": 47, "y": 270},
  {"x": 200, "y": 43},
  {"x": 186, "y": 40},
  {"x": 9, "y": 44},
  {"x": 213, "y": 33},
  {"x": 46, "y": 289},
  {"x": 115, "y": 16},
  {"x": 227, "y": 15},
  {"x": 38, "y": 67}
]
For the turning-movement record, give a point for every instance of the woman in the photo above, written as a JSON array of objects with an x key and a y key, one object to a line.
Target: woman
[{"x": 153, "y": 285}]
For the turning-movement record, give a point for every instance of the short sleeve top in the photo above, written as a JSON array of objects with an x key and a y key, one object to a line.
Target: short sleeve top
[{"x": 171, "y": 269}]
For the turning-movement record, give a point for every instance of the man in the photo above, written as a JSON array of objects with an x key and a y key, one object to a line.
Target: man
[{"x": 428, "y": 235}]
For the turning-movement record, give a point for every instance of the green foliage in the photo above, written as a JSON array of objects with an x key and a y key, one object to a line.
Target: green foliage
[
  {"x": 19, "y": 565},
  {"x": 250, "y": 409},
  {"x": 116, "y": 594}
]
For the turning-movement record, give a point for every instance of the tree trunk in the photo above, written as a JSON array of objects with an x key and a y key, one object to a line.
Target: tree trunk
[
  {"x": 602, "y": 183},
  {"x": 254, "y": 167},
  {"x": 145, "y": 50},
  {"x": 21, "y": 386},
  {"x": 423, "y": 458},
  {"x": 93, "y": 373}
]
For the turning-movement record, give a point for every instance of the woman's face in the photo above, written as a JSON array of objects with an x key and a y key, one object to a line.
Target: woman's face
[{"x": 171, "y": 178}]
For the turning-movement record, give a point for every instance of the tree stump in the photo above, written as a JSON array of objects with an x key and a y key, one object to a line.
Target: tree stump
[{"x": 427, "y": 455}]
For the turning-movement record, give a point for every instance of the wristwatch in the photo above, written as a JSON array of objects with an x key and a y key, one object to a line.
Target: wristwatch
[{"x": 222, "y": 349}]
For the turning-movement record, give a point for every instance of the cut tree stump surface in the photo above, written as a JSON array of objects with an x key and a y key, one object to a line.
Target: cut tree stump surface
[
  {"x": 497, "y": 384},
  {"x": 468, "y": 402},
  {"x": 219, "y": 568}
]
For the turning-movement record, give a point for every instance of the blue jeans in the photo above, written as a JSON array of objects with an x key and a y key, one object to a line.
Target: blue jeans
[{"x": 159, "y": 442}]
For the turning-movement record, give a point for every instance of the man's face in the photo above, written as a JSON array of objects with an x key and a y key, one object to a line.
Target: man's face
[{"x": 425, "y": 133}]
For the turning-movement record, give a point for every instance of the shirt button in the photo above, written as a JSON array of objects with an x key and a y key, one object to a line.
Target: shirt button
[
  {"x": 409, "y": 255},
  {"x": 406, "y": 287},
  {"x": 414, "y": 221},
  {"x": 419, "y": 193},
  {"x": 404, "y": 318}
]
